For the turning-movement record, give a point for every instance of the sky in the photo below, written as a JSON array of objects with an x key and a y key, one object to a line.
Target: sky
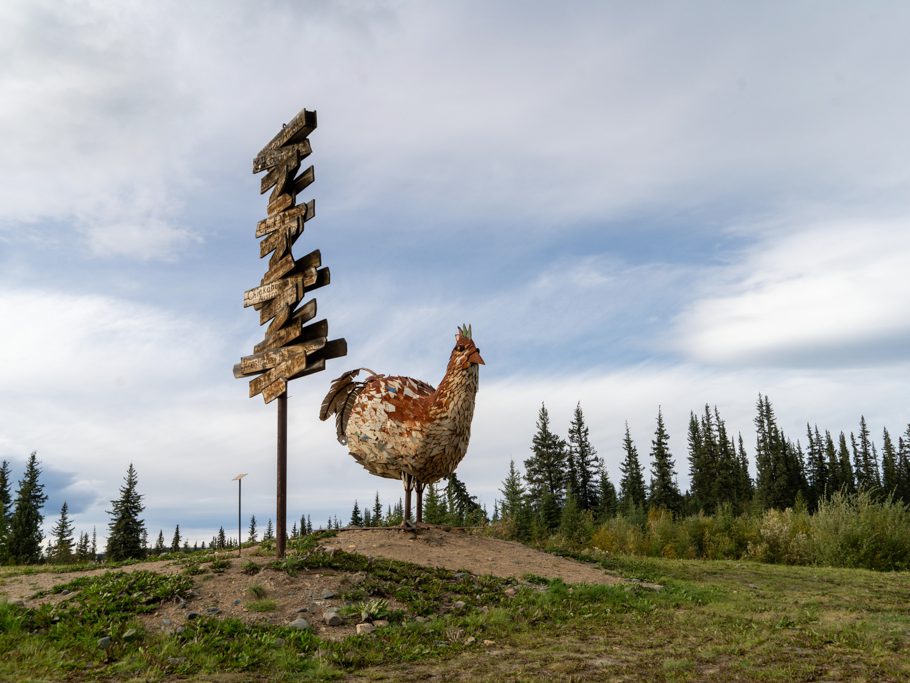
[{"x": 635, "y": 205}]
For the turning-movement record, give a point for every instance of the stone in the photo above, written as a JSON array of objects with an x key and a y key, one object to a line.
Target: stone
[
  {"x": 459, "y": 605},
  {"x": 192, "y": 615},
  {"x": 237, "y": 601},
  {"x": 105, "y": 643},
  {"x": 488, "y": 643},
  {"x": 301, "y": 610},
  {"x": 509, "y": 592},
  {"x": 166, "y": 622},
  {"x": 327, "y": 595},
  {"x": 470, "y": 640},
  {"x": 213, "y": 611},
  {"x": 365, "y": 628},
  {"x": 176, "y": 661},
  {"x": 420, "y": 619},
  {"x": 379, "y": 623},
  {"x": 332, "y": 619},
  {"x": 300, "y": 623}
]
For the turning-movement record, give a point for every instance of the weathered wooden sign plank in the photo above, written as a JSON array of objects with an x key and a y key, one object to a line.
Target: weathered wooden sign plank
[
  {"x": 285, "y": 370},
  {"x": 293, "y": 131},
  {"x": 274, "y": 157},
  {"x": 260, "y": 362},
  {"x": 274, "y": 390},
  {"x": 301, "y": 182},
  {"x": 278, "y": 268},
  {"x": 303, "y": 212},
  {"x": 278, "y": 176},
  {"x": 280, "y": 203},
  {"x": 292, "y": 329}
]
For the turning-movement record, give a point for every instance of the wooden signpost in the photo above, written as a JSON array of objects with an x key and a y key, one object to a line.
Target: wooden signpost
[{"x": 293, "y": 346}]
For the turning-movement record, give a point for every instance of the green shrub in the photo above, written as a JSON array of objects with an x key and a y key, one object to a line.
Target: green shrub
[{"x": 858, "y": 531}]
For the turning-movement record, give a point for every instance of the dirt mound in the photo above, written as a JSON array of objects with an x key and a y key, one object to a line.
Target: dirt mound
[
  {"x": 269, "y": 596},
  {"x": 461, "y": 550}
]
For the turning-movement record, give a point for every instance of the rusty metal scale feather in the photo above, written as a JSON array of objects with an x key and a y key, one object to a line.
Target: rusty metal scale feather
[{"x": 400, "y": 427}]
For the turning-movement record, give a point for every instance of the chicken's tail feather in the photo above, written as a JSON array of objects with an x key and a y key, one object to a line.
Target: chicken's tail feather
[{"x": 340, "y": 400}]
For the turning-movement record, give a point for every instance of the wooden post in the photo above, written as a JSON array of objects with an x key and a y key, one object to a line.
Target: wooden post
[
  {"x": 291, "y": 348},
  {"x": 281, "y": 512}
]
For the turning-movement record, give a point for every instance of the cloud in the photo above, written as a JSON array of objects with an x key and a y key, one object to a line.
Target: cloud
[{"x": 828, "y": 294}]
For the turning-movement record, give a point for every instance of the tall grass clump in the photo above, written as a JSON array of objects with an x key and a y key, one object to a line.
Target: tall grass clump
[{"x": 859, "y": 531}]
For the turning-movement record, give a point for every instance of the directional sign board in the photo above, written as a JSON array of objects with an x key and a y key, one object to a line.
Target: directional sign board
[{"x": 291, "y": 348}]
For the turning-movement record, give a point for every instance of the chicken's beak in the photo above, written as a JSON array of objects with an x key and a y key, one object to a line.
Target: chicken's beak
[{"x": 475, "y": 358}]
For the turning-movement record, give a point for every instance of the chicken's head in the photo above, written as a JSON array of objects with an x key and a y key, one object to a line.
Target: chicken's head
[{"x": 465, "y": 353}]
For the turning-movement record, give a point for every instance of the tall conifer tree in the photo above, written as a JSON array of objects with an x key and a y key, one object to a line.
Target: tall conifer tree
[
  {"x": 607, "y": 500},
  {"x": 62, "y": 535},
  {"x": 890, "y": 483},
  {"x": 632, "y": 492},
  {"x": 25, "y": 534},
  {"x": 125, "y": 529},
  {"x": 6, "y": 510},
  {"x": 545, "y": 471},
  {"x": 664, "y": 492},
  {"x": 583, "y": 460}
]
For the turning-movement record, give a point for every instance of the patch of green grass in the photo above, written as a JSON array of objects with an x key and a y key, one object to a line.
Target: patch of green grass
[
  {"x": 262, "y": 605},
  {"x": 258, "y": 591}
]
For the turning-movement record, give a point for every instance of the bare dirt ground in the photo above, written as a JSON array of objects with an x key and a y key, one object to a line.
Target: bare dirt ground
[
  {"x": 461, "y": 550},
  {"x": 309, "y": 594}
]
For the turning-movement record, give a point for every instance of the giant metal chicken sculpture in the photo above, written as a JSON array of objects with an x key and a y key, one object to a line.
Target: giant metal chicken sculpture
[{"x": 398, "y": 427}]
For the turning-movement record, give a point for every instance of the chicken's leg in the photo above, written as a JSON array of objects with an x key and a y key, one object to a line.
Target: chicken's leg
[
  {"x": 407, "y": 481},
  {"x": 419, "y": 486}
]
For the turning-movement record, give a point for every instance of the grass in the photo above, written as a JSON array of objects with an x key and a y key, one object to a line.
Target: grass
[{"x": 712, "y": 620}]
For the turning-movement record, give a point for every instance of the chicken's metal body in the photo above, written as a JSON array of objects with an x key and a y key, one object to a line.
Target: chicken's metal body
[{"x": 399, "y": 427}]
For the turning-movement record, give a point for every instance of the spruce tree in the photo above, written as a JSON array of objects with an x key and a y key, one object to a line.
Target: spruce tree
[
  {"x": 269, "y": 531},
  {"x": 582, "y": 459},
  {"x": 434, "y": 505},
  {"x": 6, "y": 510},
  {"x": 903, "y": 466},
  {"x": 545, "y": 470},
  {"x": 159, "y": 544},
  {"x": 25, "y": 534},
  {"x": 377, "y": 511},
  {"x": 890, "y": 478},
  {"x": 62, "y": 537},
  {"x": 607, "y": 501},
  {"x": 175, "y": 541},
  {"x": 464, "y": 509},
  {"x": 356, "y": 519},
  {"x": 222, "y": 539},
  {"x": 83, "y": 553},
  {"x": 251, "y": 532},
  {"x": 664, "y": 492},
  {"x": 848, "y": 480},
  {"x": 865, "y": 466},
  {"x": 309, "y": 525},
  {"x": 816, "y": 468},
  {"x": 514, "y": 510},
  {"x": 701, "y": 475},
  {"x": 125, "y": 529},
  {"x": 632, "y": 494}
]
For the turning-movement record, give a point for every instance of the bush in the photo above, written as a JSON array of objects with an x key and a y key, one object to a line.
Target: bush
[{"x": 857, "y": 531}]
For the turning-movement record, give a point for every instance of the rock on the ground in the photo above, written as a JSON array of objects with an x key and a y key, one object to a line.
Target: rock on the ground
[
  {"x": 365, "y": 628},
  {"x": 332, "y": 619},
  {"x": 300, "y": 623},
  {"x": 104, "y": 643},
  {"x": 458, "y": 605},
  {"x": 327, "y": 595},
  {"x": 509, "y": 592},
  {"x": 379, "y": 623}
]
